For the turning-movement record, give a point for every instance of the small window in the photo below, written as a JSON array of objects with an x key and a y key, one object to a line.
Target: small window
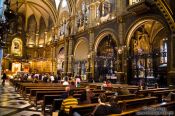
[
  {"x": 164, "y": 50},
  {"x": 105, "y": 8},
  {"x": 131, "y": 2}
]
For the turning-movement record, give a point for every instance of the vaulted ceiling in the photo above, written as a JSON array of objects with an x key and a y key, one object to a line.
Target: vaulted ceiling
[{"x": 49, "y": 10}]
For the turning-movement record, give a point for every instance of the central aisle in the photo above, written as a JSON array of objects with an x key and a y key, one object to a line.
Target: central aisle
[{"x": 12, "y": 104}]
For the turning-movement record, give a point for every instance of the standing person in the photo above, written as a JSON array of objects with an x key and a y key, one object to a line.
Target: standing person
[
  {"x": 77, "y": 81},
  {"x": 4, "y": 77}
]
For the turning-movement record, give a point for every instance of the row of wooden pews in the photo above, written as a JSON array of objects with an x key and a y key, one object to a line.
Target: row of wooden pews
[{"x": 48, "y": 95}]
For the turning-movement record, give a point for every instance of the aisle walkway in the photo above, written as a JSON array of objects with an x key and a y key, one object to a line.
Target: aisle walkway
[{"x": 12, "y": 104}]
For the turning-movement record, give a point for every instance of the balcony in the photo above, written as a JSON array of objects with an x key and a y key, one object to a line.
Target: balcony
[{"x": 139, "y": 7}]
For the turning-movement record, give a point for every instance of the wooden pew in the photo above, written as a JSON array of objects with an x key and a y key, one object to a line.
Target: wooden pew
[
  {"x": 132, "y": 112},
  {"x": 85, "y": 109},
  {"x": 23, "y": 86},
  {"x": 161, "y": 94},
  {"x": 17, "y": 83},
  {"x": 56, "y": 106},
  {"x": 27, "y": 89},
  {"x": 34, "y": 91},
  {"x": 120, "y": 97},
  {"x": 40, "y": 95},
  {"x": 146, "y": 92},
  {"x": 49, "y": 100}
]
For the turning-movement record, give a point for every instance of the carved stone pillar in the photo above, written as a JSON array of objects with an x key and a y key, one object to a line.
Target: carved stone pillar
[
  {"x": 56, "y": 33},
  {"x": 54, "y": 60},
  {"x": 121, "y": 26},
  {"x": 91, "y": 52},
  {"x": 37, "y": 39},
  {"x": 120, "y": 6},
  {"x": 45, "y": 38},
  {"x": 171, "y": 62},
  {"x": 53, "y": 34},
  {"x": 66, "y": 55},
  {"x": 92, "y": 15},
  {"x": 70, "y": 56}
]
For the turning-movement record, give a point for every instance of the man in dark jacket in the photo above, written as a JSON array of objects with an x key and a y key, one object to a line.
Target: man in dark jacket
[{"x": 4, "y": 77}]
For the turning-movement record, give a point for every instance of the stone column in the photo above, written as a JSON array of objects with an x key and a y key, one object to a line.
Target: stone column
[
  {"x": 171, "y": 62},
  {"x": 66, "y": 55},
  {"x": 70, "y": 56},
  {"x": 54, "y": 60},
  {"x": 37, "y": 39},
  {"x": 120, "y": 7},
  {"x": 92, "y": 15},
  {"x": 91, "y": 52}
]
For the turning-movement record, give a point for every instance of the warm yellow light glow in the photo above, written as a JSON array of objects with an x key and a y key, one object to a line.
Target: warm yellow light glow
[
  {"x": 40, "y": 45},
  {"x": 30, "y": 46},
  {"x": 30, "y": 62},
  {"x": 16, "y": 67}
]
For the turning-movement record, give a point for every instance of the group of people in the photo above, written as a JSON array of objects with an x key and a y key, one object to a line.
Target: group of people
[
  {"x": 49, "y": 78},
  {"x": 45, "y": 77},
  {"x": 103, "y": 108}
]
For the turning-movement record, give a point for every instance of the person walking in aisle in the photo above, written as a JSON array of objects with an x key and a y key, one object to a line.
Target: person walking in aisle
[{"x": 4, "y": 77}]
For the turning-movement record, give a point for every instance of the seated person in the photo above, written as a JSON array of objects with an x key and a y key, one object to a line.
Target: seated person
[
  {"x": 86, "y": 96},
  {"x": 115, "y": 107},
  {"x": 123, "y": 91},
  {"x": 104, "y": 84},
  {"x": 70, "y": 101},
  {"x": 45, "y": 78},
  {"x": 103, "y": 108},
  {"x": 66, "y": 94},
  {"x": 109, "y": 84},
  {"x": 66, "y": 81},
  {"x": 72, "y": 85},
  {"x": 156, "y": 85}
]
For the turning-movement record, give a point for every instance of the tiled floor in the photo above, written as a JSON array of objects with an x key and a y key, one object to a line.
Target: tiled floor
[{"x": 12, "y": 104}]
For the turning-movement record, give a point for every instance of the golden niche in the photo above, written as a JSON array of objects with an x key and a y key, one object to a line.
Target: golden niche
[{"x": 16, "y": 48}]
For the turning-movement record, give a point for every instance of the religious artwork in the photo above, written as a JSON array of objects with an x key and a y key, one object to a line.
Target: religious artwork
[
  {"x": 16, "y": 67},
  {"x": 60, "y": 59},
  {"x": 16, "y": 48}
]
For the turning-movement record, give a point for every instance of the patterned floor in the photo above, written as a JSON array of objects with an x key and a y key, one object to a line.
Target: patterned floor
[{"x": 12, "y": 104}]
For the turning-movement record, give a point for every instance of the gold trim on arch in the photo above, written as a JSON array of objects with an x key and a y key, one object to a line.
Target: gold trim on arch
[{"x": 101, "y": 36}]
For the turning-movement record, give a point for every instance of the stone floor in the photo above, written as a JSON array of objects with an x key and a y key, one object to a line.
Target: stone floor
[{"x": 12, "y": 104}]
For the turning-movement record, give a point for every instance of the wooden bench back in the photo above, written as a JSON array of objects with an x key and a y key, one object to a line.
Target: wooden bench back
[{"x": 85, "y": 109}]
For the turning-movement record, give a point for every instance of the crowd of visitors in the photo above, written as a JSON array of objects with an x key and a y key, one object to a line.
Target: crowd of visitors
[{"x": 50, "y": 78}]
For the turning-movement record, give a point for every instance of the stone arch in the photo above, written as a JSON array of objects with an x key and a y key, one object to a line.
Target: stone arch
[
  {"x": 101, "y": 35},
  {"x": 81, "y": 49},
  {"x": 143, "y": 40},
  {"x": 140, "y": 21}
]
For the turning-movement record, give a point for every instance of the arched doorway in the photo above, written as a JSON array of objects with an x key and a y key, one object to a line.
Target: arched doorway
[
  {"x": 147, "y": 58},
  {"x": 60, "y": 60},
  {"x": 106, "y": 59},
  {"x": 81, "y": 58}
]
